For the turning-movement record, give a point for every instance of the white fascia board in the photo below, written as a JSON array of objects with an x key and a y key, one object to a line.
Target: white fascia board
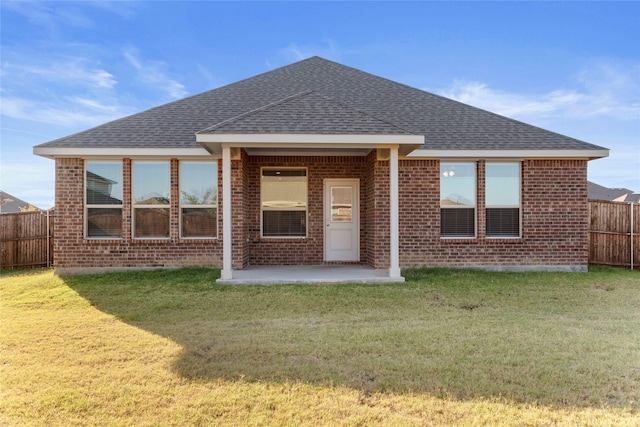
[
  {"x": 260, "y": 139},
  {"x": 120, "y": 152},
  {"x": 506, "y": 154}
]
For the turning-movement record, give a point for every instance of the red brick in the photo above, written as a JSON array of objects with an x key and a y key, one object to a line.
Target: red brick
[{"x": 554, "y": 218}]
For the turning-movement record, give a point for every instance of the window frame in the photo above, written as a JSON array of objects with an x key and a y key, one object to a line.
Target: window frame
[
  {"x": 451, "y": 207},
  {"x": 182, "y": 206},
  {"x": 297, "y": 209},
  {"x": 518, "y": 206},
  {"x": 135, "y": 206},
  {"x": 88, "y": 206}
]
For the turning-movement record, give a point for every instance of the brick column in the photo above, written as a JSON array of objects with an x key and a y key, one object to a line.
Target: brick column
[
  {"x": 127, "y": 212},
  {"x": 238, "y": 225},
  {"x": 381, "y": 221},
  {"x": 481, "y": 217},
  {"x": 174, "y": 207},
  {"x": 68, "y": 225}
]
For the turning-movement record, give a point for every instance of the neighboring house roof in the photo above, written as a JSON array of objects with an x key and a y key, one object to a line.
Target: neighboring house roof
[
  {"x": 12, "y": 204},
  {"x": 598, "y": 192},
  {"x": 317, "y": 96},
  {"x": 101, "y": 198},
  {"x": 100, "y": 178}
]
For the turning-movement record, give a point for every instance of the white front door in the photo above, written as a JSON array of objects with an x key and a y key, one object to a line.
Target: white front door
[{"x": 341, "y": 220}]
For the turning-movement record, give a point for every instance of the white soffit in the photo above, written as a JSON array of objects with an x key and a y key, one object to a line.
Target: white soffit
[{"x": 505, "y": 154}]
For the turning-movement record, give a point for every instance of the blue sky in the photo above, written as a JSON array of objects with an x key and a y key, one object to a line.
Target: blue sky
[{"x": 570, "y": 67}]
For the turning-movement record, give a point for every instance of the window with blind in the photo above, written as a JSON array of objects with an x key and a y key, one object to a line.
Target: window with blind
[
  {"x": 151, "y": 199},
  {"x": 283, "y": 202},
  {"x": 103, "y": 199},
  {"x": 502, "y": 191},
  {"x": 457, "y": 200},
  {"x": 198, "y": 199}
]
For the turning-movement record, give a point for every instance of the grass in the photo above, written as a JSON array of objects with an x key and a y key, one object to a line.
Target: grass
[{"x": 445, "y": 348}]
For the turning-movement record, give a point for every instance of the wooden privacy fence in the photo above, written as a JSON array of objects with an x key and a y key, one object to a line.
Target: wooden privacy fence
[
  {"x": 614, "y": 234},
  {"x": 26, "y": 239}
]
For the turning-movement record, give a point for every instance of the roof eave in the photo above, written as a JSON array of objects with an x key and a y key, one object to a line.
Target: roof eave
[
  {"x": 119, "y": 152},
  {"x": 213, "y": 142},
  {"x": 590, "y": 154}
]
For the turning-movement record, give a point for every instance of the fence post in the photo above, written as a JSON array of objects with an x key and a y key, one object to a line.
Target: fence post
[
  {"x": 631, "y": 232},
  {"x": 49, "y": 256}
]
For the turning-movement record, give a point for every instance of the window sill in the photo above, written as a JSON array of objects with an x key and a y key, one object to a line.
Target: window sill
[
  {"x": 200, "y": 238},
  {"x": 283, "y": 237},
  {"x": 153, "y": 239},
  {"x": 458, "y": 238}
]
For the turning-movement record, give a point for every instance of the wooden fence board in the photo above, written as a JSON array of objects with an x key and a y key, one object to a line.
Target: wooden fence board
[
  {"x": 24, "y": 237},
  {"x": 614, "y": 238}
]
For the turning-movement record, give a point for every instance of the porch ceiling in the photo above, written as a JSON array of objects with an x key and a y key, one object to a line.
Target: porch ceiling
[
  {"x": 307, "y": 151},
  {"x": 326, "y": 143}
]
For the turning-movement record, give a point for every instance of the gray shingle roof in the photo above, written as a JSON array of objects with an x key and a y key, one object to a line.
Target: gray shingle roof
[
  {"x": 598, "y": 192},
  {"x": 319, "y": 96},
  {"x": 12, "y": 204},
  {"x": 306, "y": 113}
]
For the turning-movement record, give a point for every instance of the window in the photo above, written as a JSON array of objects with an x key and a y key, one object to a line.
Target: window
[
  {"x": 283, "y": 201},
  {"x": 151, "y": 197},
  {"x": 103, "y": 200},
  {"x": 503, "y": 199},
  {"x": 198, "y": 199},
  {"x": 457, "y": 199}
]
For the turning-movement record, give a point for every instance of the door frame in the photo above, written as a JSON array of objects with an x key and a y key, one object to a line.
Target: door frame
[{"x": 355, "y": 206}]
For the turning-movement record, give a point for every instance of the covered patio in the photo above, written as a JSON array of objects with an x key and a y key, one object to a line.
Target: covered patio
[{"x": 240, "y": 177}]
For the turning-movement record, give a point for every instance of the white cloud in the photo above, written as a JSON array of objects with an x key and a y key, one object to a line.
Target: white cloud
[
  {"x": 602, "y": 106},
  {"x": 510, "y": 104},
  {"x": 152, "y": 74},
  {"x": 133, "y": 60},
  {"x": 296, "y": 52},
  {"x": 96, "y": 106},
  {"x": 74, "y": 112},
  {"x": 599, "y": 91},
  {"x": 53, "y": 15},
  {"x": 76, "y": 71},
  {"x": 70, "y": 91},
  {"x": 124, "y": 9}
]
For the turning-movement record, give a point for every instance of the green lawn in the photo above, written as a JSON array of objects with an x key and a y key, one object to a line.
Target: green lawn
[{"x": 445, "y": 348}]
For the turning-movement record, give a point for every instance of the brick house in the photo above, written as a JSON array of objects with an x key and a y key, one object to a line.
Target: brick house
[{"x": 318, "y": 163}]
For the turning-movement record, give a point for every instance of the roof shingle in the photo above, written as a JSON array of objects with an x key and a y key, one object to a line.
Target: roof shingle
[
  {"x": 306, "y": 113},
  {"x": 319, "y": 96}
]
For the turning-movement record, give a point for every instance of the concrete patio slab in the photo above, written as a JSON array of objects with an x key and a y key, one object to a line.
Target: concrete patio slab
[{"x": 306, "y": 274}]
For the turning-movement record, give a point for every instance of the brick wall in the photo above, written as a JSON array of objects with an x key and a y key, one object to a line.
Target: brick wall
[
  {"x": 238, "y": 223},
  {"x": 367, "y": 191},
  {"x": 379, "y": 205},
  {"x": 310, "y": 250},
  {"x": 73, "y": 251},
  {"x": 554, "y": 219}
]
